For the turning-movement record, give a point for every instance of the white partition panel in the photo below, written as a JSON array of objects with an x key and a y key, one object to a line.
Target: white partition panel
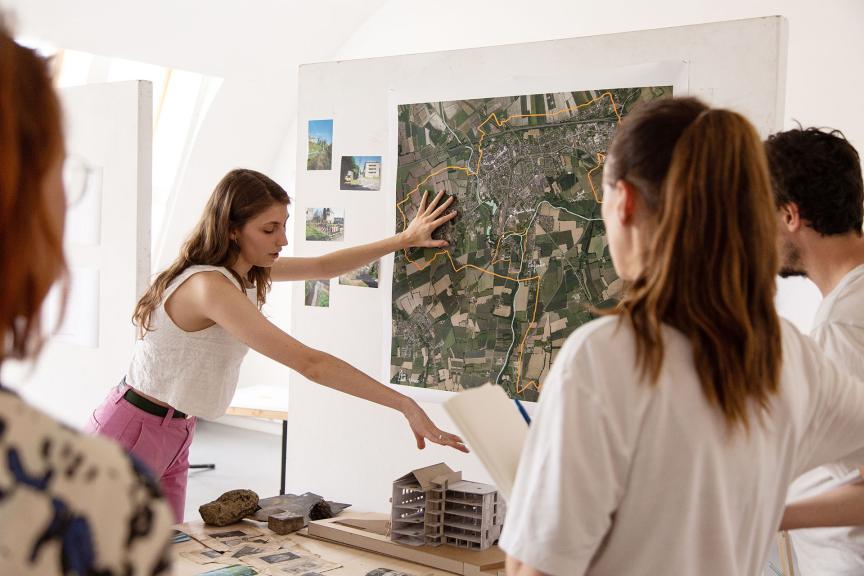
[{"x": 107, "y": 246}]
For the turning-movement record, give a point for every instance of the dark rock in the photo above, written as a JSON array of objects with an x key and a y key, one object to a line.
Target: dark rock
[
  {"x": 320, "y": 511},
  {"x": 310, "y": 505},
  {"x": 230, "y": 507}
]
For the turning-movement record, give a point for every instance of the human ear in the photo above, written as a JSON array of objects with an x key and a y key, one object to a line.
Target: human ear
[
  {"x": 625, "y": 202},
  {"x": 790, "y": 216}
]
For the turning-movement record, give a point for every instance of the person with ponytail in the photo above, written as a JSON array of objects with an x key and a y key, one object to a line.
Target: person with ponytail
[
  {"x": 202, "y": 314},
  {"x": 668, "y": 431},
  {"x": 69, "y": 503}
]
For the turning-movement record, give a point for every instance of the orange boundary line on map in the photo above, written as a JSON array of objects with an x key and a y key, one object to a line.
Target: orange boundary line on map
[{"x": 601, "y": 157}]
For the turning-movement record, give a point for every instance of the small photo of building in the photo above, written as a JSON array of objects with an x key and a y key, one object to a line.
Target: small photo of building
[
  {"x": 325, "y": 224},
  {"x": 360, "y": 173}
]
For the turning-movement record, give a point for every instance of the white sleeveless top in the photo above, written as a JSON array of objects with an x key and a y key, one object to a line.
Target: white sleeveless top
[{"x": 195, "y": 372}]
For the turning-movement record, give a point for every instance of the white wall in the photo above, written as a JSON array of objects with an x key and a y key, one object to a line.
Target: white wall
[
  {"x": 256, "y": 46},
  {"x": 825, "y": 40}
]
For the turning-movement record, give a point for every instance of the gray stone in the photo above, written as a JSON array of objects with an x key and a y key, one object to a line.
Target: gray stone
[
  {"x": 230, "y": 507},
  {"x": 310, "y": 505}
]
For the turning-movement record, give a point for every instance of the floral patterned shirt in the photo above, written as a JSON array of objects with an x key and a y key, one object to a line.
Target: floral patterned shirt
[{"x": 72, "y": 504}]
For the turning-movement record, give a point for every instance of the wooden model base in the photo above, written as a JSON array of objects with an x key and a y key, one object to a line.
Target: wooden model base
[{"x": 456, "y": 560}]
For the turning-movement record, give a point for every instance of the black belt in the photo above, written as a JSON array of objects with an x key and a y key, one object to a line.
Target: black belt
[{"x": 147, "y": 406}]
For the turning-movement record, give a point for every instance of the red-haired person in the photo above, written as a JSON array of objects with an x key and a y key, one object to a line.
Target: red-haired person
[
  {"x": 668, "y": 432},
  {"x": 69, "y": 503},
  {"x": 201, "y": 315}
]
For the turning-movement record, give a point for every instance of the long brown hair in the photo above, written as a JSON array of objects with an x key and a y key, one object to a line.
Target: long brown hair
[
  {"x": 241, "y": 195},
  {"x": 710, "y": 271},
  {"x": 31, "y": 243}
]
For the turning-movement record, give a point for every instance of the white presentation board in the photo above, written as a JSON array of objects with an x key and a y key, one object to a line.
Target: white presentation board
[{"x": 737, "y": 64}]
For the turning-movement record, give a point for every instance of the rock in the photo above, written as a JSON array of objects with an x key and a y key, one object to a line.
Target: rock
[
  {"x": 310, "y": 505},
  {"x": 321, "y": 511},
  {"x": 230, "y": 507},
  {"x": 285, "y": 523}
]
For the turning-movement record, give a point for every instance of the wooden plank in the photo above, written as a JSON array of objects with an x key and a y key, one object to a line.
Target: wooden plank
[
  {"x": 374, "y": 526},
  {"x": 257, "y": 413},
  {"x": 457, "y": 560}
]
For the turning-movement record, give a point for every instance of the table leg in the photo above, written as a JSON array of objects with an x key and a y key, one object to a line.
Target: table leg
[{"x": 284, "y": 454}]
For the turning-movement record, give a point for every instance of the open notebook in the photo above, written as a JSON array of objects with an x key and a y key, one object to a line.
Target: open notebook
[{"x": 494, "y": 429}]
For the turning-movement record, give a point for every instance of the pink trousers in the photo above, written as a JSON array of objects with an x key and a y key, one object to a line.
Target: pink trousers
[{"x": 162, "y": 444}]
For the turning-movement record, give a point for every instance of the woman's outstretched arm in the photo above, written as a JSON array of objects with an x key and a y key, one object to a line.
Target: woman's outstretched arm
[
  {"x": 417, "y": 234},
  {"x": 215, "y": 297}
]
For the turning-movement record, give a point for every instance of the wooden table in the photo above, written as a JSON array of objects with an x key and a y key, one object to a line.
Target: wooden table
[
  {"x": 269, "y": 402},
  {"x": 354, "y": 562}
]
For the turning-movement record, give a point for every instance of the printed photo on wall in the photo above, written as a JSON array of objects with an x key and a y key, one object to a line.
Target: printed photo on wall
[
  {"x": 360, "y": 173},
  {"x": 320, "y": 155},
  {"x": 325, "y": 224},
  {"x": 365, "y": 276},
  {"x": 318, "y": 293}
]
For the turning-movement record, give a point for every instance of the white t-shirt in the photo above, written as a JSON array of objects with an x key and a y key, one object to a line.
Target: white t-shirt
[
  {"x": 839, "y": 330},
  {"x": 619, "y": 477},
  {"x": 195, "y": 372}
]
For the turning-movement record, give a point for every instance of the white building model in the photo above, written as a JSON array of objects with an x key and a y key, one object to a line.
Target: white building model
[{"x": 434, "y": 506}]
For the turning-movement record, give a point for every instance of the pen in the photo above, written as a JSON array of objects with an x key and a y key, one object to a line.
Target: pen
[{"x": 522, "y": 411}]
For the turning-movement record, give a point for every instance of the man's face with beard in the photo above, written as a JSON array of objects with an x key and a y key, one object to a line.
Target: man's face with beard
[
  {"x": 789, "y": 254},
  {"x": 790, "y": 260}
]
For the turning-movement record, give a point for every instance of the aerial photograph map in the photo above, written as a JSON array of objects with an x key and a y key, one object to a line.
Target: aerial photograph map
[{"x": 528, "y": 260}]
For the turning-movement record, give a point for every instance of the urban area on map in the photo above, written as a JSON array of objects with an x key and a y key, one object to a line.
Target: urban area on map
[{"x": 528, "y": 257}]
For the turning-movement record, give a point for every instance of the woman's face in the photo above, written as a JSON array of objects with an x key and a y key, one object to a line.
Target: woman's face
[{"x": 263, "y": 236}]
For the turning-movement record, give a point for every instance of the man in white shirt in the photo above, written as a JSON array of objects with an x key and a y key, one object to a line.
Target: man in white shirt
[{"x": 820, "y": 197}]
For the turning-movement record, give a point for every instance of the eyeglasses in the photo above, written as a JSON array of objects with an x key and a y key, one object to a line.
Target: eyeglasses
[{"x": 77, "y": 174}]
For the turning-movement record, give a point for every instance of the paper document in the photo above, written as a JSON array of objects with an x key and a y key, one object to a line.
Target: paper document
[{"x": 493, "y": 428}]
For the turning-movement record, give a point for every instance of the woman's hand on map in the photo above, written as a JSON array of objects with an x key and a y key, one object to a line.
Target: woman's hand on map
[
  {"x": 424, "y": 429},
  {"x": 427, "y": 220}
]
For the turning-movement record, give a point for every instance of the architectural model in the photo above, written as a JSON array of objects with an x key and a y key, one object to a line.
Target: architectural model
[{"x": 434, "y": 506}]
